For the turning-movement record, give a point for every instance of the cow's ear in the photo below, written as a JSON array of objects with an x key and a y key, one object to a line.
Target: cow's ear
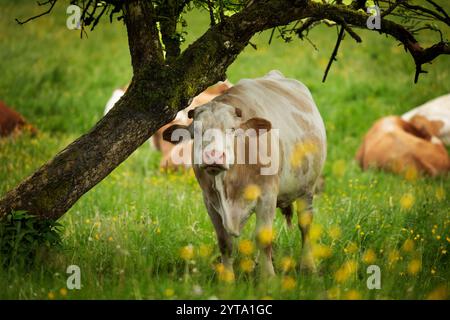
[
  {"x": 238, "y": 112},
  {"x": 183, "y": 135},
  {"x": 257, "y": 124}
]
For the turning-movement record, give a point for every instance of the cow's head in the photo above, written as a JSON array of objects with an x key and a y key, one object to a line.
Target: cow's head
[{"x": 215, "y": 127}]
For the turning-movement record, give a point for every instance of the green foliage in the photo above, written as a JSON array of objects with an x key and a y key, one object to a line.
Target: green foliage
[{"x": 23, "y": 235}]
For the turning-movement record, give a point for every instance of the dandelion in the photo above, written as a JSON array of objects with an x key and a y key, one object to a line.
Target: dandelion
[
  {"x": 335, "y": 232},
  {"x": 411, "y": 173},
  {"x": 353, "y": 295},
  {"x": 252, "y": 192},
  {"x": 226, "y": 276},
  {"x": 334, "y": 293},
  {"x": 97, "y": 236},
  {"x": 408, "y": 245},
  {"x": 169, "y": 292},
  {"x": 247, "y": 265},
  {"x": 315, "y": 232},
  {"x": 407, "y": 201},
  {"x": 63, "y": 292},
  {"x": 266, "y": 236},
  {"x": 287, "y": 263},
  {"x": 304, "y": 219},
  {"x": 345, "y": 271},
  {"x": 351, "y": 248},
  {"x": 110, "y": 239},
  {"x": 414, "y": 266},
  {"x": 187, "y": 252},
  {"x": 320, "y": 251},
  {"x": 440, "y": 193},
  {"x": 205, "y": 250},
  {"x": 339, "y": 168},
  {"x": 288, "y": 283},
  {"x": 246, "y": 247},
  {"x": 266, "y": 298},
  {"x": 51, "y": 295},
  {"x": 433, "y": 271},
  {"x": 369, "y": 256},
  {"x": 440, "y": 293},
  {"x": 219, "y": 268}
]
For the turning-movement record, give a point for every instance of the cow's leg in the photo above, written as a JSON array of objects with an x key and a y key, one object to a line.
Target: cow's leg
[
  {"x": 265, "y": 213},
  {"x": 223, "y": 238},
  {"x": 305, "y": 218}
]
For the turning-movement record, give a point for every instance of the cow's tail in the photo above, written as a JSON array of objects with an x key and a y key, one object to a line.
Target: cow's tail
[{"x": 288, "y": 212}]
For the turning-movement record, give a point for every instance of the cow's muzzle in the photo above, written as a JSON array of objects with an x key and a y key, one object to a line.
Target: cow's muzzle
[{"x": 214, "y": 169}]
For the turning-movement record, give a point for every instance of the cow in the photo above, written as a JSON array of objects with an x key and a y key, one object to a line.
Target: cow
[
  {"x": 433, "y": 117},
  {"x": 281, "y": 115},
  {"x": 168, "y": 151},
  {"x": 398, "y": 146},
  {"x": 11, "y": 122}
]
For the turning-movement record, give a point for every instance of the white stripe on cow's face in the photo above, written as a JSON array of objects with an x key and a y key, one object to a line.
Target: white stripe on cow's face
[{"x": 234, "y": 214}]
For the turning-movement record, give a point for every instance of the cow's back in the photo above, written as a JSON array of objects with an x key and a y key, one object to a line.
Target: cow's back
[{"x": 289, "y": 106}]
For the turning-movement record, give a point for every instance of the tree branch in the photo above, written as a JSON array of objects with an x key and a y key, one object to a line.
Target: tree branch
[
  {"x": 143, "y": 36},
  {"x": 52, "y": 4},
  {"x": 334, "y": 54}
]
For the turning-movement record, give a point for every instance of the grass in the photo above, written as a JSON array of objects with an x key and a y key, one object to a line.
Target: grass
[{"x": 128, "y": 233}]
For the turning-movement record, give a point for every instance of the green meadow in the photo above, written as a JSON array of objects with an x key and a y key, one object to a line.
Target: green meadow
[{"x": 145, "y": 234}]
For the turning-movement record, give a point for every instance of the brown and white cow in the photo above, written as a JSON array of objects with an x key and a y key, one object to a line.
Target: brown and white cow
[
  {"x": 395, "y": 145},
  {"x": 432, "y": 117},
  {"x": 268, "y": 107},
  {"x": 12, "y": 122},
  {"x": 168, "y": 150}
]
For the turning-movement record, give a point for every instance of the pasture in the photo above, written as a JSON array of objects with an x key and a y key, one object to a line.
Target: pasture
[{"x": 145, "y": 234}]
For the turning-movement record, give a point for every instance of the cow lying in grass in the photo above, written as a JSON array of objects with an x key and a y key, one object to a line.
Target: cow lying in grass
[
  {"x": 412, "y": 143},
  {"x": 11, "y": 122},
  {"x": 432, "y": 118},
  {"x": 274, "y": 122}
]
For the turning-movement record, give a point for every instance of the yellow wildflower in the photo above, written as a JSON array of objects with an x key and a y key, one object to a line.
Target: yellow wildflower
[
  {"x": 246, "y": 247},
  {"x": 288, "y": 283},
  {"x": 252, "y": 192},
  {"x": 414, "y": 266},
  {"x": 408, "y": 245},
  {"x": 266, "y": 236},
  {"x": 321, "y": 251},
  {"x": 440, "y": 293},
  {"x": 407, "y": 201},
  {"x": 247, "y": 265},
  {"x": 345, "y": 271},
  {"x": 287, "y": 263},
  {"x": 204, "y": 250},
  {"x": 335, "y": 232},
  {"x": 369, "y": 256},
  {"x": 353, "y": 295},
  {"x": 63, "y": 292},
  {"x": 187, "y": 252}
]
